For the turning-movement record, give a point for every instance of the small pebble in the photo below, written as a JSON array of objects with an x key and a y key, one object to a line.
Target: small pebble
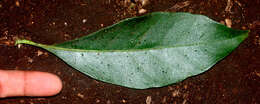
[
  {"x": 148, "y": 100},
  {"x": 80, "y": 95},
  {"x": 39, "y": 53},
  {"x": 228, "y": 22},
  {"x": 124, "y": 101},
  {"x": 141, "y": 11},
  {"x": 65, "y": 23},
  {"x": 19, "y": 46},
  {"x": 17, "y": 3},
  {"x": 53, "y": 23},
  {"x": 84, "y": 20}
]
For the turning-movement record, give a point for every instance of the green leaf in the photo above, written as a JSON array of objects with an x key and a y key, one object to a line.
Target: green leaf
[{"x": 153, "y": 50}]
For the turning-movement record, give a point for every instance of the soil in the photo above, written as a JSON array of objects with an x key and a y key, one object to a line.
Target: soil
[{"x": 234, "y": 80}]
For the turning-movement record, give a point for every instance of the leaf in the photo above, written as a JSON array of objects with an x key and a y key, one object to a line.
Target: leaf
[{"x": 153, "y": 50}]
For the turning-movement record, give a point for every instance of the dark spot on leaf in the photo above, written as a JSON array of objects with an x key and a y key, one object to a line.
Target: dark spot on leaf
[
  {"x": 138, "y": 68},
  {"x": 164, "y": 71}
]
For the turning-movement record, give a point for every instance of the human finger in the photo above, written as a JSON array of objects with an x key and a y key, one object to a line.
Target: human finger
[{"x": 28, "y": 83}]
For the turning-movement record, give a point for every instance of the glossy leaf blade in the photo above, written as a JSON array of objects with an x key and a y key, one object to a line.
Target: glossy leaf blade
[{"x": 153, "y": 50}]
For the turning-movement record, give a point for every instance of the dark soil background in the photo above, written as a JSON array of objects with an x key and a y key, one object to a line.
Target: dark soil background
[{"x": 234, "y": 80}]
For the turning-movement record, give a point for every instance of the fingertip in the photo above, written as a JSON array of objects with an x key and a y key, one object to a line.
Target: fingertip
[
  {"x": 42, "y": 84},
  {"x": 58, "y": 87}
]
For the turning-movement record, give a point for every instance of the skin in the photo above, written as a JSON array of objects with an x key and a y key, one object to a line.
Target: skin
[{"x": 28, "y": 83}]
